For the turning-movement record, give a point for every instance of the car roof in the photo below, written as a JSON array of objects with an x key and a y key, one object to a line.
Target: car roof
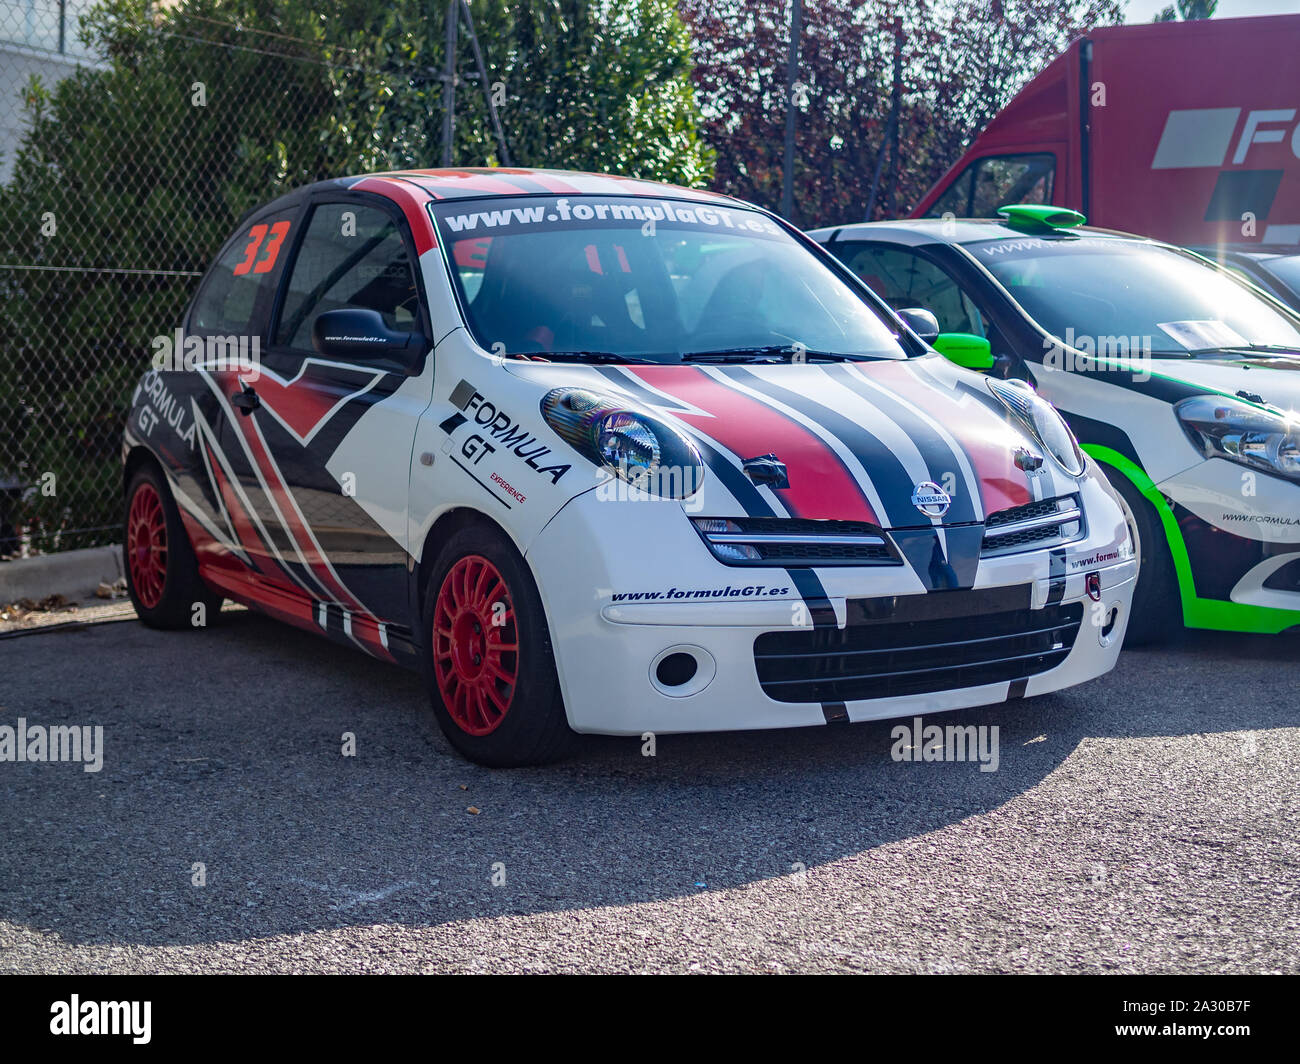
[
  {"x": 914, "y": 232},
  {"x": 1260, "y": 252},
  {"x": 495, "y": 182}
]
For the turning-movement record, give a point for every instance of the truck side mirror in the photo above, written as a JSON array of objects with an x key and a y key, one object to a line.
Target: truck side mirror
[{"x": 965, "y": 349}]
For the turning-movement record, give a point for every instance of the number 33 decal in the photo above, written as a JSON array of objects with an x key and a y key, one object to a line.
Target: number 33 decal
[{"x": 255, "y": 237}]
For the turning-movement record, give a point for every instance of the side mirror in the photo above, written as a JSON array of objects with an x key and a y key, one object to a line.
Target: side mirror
[
  {"x": 965, "y": 349},
  {"x": 920, "y": 321},
  {"x": 359, "y": 333}
]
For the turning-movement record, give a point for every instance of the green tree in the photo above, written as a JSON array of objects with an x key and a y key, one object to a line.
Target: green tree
[
  {"x": 592, "y": 86},
  {"x": 210, "y": 107},
  {"x": 1189, "y": 9},
  {"x": 960, "y": 64}
]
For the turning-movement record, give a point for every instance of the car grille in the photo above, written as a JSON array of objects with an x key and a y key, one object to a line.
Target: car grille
[
  {"x": 794, "y": 542},
  {"x": 917, "y": 644},
  {"x": 1049, "y": 522}
]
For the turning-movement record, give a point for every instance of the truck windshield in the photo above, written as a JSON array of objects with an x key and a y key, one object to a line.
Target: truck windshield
[
  {"x": 1102, "y": 288},
  {"x": 640, "y": 279}
]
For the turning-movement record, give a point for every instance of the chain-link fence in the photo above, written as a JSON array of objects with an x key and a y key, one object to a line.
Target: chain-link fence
[
  {"x": 37, "y": 41},
  {"x": 116, "y": 193},
  {"x": 133, "y": 135},
  {"x": 132, "y": 142}
]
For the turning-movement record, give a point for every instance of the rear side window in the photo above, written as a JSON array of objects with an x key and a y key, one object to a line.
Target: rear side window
[
  {"x": 351, "y": 256},
  {"x": 246, "y": 269},
  {"x": 994, "y": 181}
]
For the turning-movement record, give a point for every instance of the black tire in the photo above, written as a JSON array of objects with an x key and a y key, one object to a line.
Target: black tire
[
  {"x": 1157, "y": 609},
  {"x": 532, "y": 728},
  {"x": 169, "y": 602}
]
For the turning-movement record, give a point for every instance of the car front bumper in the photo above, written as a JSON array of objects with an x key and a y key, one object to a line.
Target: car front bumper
[
  {"x": 597, "y": 565},
  {"x": 1252, "y": 508}
]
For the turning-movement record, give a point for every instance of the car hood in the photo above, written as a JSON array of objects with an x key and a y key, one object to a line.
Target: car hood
[
  {"x": 1274, "y": 378},
  {"x": 855, "y": 440}
]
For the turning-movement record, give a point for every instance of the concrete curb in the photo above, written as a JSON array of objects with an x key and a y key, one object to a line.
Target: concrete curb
[{"x": 73, "y": 573}]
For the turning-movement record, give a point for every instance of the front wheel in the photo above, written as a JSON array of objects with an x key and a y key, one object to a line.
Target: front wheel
[
  {"x": 488, "y": 658},
  {"x": 1157, "y": 606}
]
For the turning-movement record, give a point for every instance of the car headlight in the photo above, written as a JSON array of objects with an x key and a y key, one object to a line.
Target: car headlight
[
  {"x": 1228, "y": 428},
  {"x": 649, "y": 455},
  {"x": 1043, "y": 421}
]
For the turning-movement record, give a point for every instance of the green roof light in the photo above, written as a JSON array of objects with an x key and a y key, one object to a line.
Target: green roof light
[{"x": 1038, "y": 218}]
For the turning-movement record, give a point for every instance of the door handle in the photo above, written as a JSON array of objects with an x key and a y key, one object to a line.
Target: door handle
[{"x": 245, "y": 400}]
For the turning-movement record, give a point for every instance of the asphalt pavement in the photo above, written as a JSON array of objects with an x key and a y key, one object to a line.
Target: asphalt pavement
[{"x": 1145, "y": 822}]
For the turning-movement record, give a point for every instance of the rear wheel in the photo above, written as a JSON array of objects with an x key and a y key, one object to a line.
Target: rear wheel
[
  {"x": 1157, "y": 607},
  {"x": 162, "y": 574},
  {"x": 489, "y": 662}
]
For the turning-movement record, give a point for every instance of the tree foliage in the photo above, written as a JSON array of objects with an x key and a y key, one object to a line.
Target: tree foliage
[
  {"x": 960, "y": 65},
  {"x": 580, "y": 84},
  {"x": 1189, "y": 9},
  {"x": 206, "y": 108}
]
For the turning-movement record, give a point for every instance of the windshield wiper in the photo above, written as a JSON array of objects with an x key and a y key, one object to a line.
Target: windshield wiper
[
  {"x": 769, "y": 353},
  {"x": 580, "y": 356},
  {"x": 772, "y": 353},
  {"x": 1284, "y": 349},
  {"x": 1228, "y": 349}
]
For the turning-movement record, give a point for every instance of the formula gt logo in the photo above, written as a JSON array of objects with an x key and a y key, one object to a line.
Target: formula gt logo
[{"x": 500, "y": 432}]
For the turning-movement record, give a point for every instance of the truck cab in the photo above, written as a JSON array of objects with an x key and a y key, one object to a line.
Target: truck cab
[{"x": 1187, "y": 132}]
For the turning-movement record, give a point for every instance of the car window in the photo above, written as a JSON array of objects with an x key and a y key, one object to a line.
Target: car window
[
  {"x": 648, "y": 279},
  {"x": 904, "y": 279},
  {"x": 1151, "y": 297},
  {"x": 1286, "y": 268},
  {"x": 471, "y": 258},
  {"x": 246, "y": 268},
  {"x": 351, "y": 256},
  {"x": 992, "y": 182}
]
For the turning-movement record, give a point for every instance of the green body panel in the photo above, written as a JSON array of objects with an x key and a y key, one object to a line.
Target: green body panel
[{"x": 1197, "y": 612}]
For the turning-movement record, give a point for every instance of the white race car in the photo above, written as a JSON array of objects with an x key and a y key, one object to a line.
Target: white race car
[{"x": 608, "y": 456}]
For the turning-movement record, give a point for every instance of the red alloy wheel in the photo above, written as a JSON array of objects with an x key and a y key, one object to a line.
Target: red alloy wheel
[
  {"x": 475, "y": 645},
  {"x": 146, "y": 538}
]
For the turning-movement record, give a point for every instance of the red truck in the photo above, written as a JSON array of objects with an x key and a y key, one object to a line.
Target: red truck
[{"x": 1183, "y": 131}]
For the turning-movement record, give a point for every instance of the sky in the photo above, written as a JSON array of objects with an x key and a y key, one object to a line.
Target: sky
[{"x": 1146, "y": 10}]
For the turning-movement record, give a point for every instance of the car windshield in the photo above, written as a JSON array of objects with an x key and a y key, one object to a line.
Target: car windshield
[
  {"x": 639, "y": 279},
  {"x": 1155, "y": 299}
]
